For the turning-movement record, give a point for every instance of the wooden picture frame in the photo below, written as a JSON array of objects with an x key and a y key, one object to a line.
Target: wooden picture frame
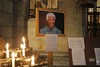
[{"x": 41, "y": 21}]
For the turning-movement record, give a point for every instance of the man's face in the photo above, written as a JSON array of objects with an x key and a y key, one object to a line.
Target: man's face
[{"x": 51, "y": 21}]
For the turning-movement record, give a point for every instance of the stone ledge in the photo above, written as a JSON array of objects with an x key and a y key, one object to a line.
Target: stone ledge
[{"x": 60, "y": 54}]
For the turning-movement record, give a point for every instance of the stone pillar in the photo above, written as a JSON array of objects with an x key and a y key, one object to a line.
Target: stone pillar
[{"x": 20, "y": 11}]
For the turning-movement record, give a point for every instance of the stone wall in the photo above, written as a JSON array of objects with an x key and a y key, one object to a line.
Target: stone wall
[
  {"x": 73, "y": 21},
  {"x": 13, "y": 21},
  {"x": 6, "y": 21},
  {"x": 73, "y": 18}
]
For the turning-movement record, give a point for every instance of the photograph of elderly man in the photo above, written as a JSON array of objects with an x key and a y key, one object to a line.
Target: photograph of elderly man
[
  {"x": 50, "y": 22},
  {"x": 50, "y": 27}
]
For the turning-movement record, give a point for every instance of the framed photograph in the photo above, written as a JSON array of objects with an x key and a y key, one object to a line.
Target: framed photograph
[{"x": 49, "y": 22}]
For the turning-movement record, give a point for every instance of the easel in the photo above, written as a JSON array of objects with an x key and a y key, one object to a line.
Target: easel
[{"x": 50, "y": 58}]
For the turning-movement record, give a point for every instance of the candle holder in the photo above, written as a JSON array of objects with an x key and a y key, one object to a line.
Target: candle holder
[{"x": 20, "y": 57}]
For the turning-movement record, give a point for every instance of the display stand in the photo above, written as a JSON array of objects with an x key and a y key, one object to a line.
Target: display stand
[
  {"x": 90, "y": 44},
  {"x": 50, "y": 58},
  {"x": 76, "y": 51}
]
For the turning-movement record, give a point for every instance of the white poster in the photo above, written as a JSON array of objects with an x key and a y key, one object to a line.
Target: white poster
[
  {"x": 78, "y": 57},
  {"x": 97, "y": 55},
  {"x": 51, "y": 42},
  {"x": 76, "y": 42}
]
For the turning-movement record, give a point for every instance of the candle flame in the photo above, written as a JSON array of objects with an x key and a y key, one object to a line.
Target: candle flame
[
  {"x": 23, "y": 39},
  {"x": 24, "y": 45},
  {"x": 7, "y": 46}
]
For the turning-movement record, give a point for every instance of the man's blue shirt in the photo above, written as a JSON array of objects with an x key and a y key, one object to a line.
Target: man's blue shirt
[{"x": 47, "y": 30}]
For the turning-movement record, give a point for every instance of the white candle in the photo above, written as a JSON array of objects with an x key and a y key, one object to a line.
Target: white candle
[
  {"x": 23, "y": 46},
  {"x": 7, "y": 50},
  {"x": 32, "y": 62},
  {"x": 23, "y": 49},
  {"x": 13, "y": 59}
]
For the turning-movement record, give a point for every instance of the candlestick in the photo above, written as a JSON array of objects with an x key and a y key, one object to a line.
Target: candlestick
[
  {"x": 32, "y": 62},
  {"x": 7, "y": 50},
  {"x": 13, "y": 59}
]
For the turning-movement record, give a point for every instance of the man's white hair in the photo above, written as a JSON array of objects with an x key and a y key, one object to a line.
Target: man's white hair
[{"x": 50, "y": 14}]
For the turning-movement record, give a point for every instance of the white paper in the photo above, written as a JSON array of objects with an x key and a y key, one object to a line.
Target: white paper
[
  {"x": 78, "y": 57},
  {"x": 97, "y": 55},
  {"x": 74, "y": 42},
  {"x": 51, "y": 42}
]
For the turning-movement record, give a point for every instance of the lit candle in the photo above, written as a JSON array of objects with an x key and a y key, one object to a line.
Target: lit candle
[
  {"x": 23, "y": 46},
  {"x": 23, "y": 49},
  {"x": 23, "y": 39},
  {"x": 32, "y": 62},
  {"x": 13, "y": 59},
  {"x": 7, "y": 50}
]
